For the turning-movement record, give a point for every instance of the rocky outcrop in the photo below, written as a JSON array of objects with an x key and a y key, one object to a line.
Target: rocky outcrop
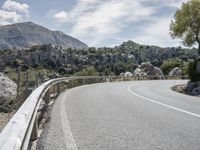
[
  {"x": 8, "y": 89},
  {"x": 193, "y": 88},
  {"x": 175, "y": 72}
]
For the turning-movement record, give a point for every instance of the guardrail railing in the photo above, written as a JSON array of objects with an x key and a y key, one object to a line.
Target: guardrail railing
[{"x": 23, "y": 127}]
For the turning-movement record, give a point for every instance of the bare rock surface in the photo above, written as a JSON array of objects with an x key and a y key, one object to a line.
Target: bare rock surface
[
  {"x": 175, "y": 71},
  {"x": 8, "y": 89},
  {"x": 193, "y": 88},
  {"x": 4, "y": 118}
]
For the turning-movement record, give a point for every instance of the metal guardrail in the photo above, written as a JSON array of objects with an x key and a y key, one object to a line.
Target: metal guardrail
[{"x": 23, "y": 127}]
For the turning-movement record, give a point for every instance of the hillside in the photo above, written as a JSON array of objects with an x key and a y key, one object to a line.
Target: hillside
[
  {"x": 28, "y": 34},
  {"x": 125, "y": 57}
]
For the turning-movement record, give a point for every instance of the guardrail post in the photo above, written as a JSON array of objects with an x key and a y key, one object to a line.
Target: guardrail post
[
  {"x": 54, "y": 90},
  {"x": 47, "y": 97},
  {"x": 36, "y": 80},
  {"x": 83, "y": 81},
  {"x": 18, "y": 80},
  {"x": 34, "y": 134},
  {"x": 58, "y": 88}
]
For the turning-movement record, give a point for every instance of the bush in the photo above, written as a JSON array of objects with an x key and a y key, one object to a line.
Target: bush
[
  {"x": 192, "y": 70},
  {"x": 166, "y": 67}
]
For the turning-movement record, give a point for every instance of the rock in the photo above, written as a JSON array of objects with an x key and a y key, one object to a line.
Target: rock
[
  {"x": 44, "y": 78},
  {"x": 128, "y": 74},
  {"x": 121, "y": 74},
  {"x": 137, "y": 72},
  {"x": 175, "y": 71},
  {"x": 193, "y": 88},
  {"x": 196, "y": 91},
  {"x": 8, "y": 89},
  {"x": 147, "y": 69},
  {"x": 151, "y": 70},
  {"x": 146, "y": 64},
  {"x": 56, "y": 75}
]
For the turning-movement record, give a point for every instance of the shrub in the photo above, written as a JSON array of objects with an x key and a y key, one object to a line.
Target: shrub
[{"x": 166, "y": 67}]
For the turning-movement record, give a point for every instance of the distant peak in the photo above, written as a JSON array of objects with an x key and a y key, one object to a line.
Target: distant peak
[{"x": 130, "y": 42}]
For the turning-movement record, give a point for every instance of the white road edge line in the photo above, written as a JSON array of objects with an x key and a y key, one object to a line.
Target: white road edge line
[
  {"x": 69, "y": 139},
  {"x": 162, "y": 104}
]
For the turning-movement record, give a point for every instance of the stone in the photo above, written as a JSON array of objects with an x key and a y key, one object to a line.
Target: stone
[
  {"x": 147, "y": 69},
  {"x": 8, "y": 89},
  {"x": 151, "y": 70},
  {"x": 193, "y": 88},
  {"x": 137, "y": 72},
  {"x": 196, "y": 91},
  {"x": 128, "y": 74},
  {"x": 175, "y": 71},
  {"x": 145, "y": 64},
  {"x": 121, "y": 74}
]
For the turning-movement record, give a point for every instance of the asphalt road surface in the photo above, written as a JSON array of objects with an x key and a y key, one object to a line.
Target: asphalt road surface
[{"x": 138, "y": 115}]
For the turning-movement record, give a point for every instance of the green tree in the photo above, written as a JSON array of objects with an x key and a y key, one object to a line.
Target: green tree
[{"x": 186, "y": 24}]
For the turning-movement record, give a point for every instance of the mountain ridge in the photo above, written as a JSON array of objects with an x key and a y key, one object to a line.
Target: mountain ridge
[{"x": 27, "y": 34}]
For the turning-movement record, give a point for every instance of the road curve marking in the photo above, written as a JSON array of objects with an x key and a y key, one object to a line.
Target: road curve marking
[
  {"x": 162, "y": 104},
  {"x": 69, "y": 139}
]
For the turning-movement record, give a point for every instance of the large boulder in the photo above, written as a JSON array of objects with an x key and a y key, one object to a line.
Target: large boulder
[
  {"x": 128, "y": 74},
  {"x": 175, "y": 71},
  {"x": 8, "y": 89},
  {"x": 146, "y": 64},
  {"x": 193, "y": 88},
  {"x": 137, "y": 72},
  {"x": 122, "y": 74},
  {"x": 151, "y": 70}
]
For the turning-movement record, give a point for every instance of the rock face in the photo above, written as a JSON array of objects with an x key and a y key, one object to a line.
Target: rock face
[
  {"x": 28, "y": 34},
  {"x": 175, "y": 71},
  {"x": 193, "y": 88},
  {"x": 8, "y": 89}
]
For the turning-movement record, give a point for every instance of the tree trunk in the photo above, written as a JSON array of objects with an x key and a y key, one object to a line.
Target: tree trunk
[{"x": 199, "y": 48}]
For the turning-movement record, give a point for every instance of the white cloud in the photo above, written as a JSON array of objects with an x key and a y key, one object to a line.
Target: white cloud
[
  {"x": 156, "y": 33},
  {"x": 13, "y": 12},
  {"x": 97, "y": 20},
  {"x": 61, "y": 16},
  {"x": 170, "y": 3},
  {"x": 9, "y": 16},
  {"x": 10, "y": 5}
]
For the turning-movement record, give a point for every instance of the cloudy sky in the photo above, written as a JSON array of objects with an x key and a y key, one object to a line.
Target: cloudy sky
[{"x": 98, "y": 22}]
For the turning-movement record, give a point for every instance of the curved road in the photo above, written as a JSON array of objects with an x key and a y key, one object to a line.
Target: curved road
[{"x": 137, "y": 115}]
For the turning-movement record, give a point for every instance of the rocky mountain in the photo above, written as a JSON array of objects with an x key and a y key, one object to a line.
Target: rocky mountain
[{"x": 28, "y": 34}]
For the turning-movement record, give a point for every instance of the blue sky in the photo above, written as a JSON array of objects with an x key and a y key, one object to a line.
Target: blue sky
[{"x": 98, "y": 22}]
